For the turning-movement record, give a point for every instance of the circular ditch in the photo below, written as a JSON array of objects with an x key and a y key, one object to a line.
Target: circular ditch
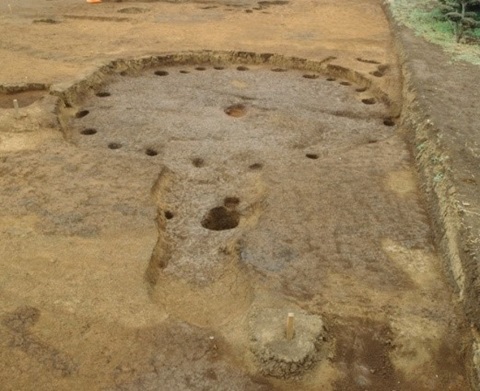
[{"x": 220, "y": 219}]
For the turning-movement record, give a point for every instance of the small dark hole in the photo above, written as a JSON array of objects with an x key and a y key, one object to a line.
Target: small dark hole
[
  {"x": 184, "y": 72},
  {"x": 231, "y": 202},
  {"x": 331, "y": 79},
  {"x": 168, "y": 215},
  {"x": 372, "y": 141},
  {"x": 248, "y": 11},
  {"x": 255, "y": 166},
  {"x": 312, "y": 156},
  {"x": 161, "y": 73},
  {"x": 369, "y": 101},
  {"x": 123, "y": 73},
  {"x": 219, "y": 68},
  {"x": 103, "y": 94},
  {"x": 362, "y": 89},
  {"x": 279, "y": 70},
  {"x": 377, "y": 74},
  {"x": 151, "y": 152},
  {"x": 198, "y": 162},
  {"x": 68, "y": 105},
  {"x": 82, "y": 113},
  {"x": 389, "y": 122},
  {"x": 89, "y": 131},
  {"x": 201, "y": 68},
  {"x": 345, "y": 83},
  {"x": 242, "y": 68},
  {"x": 114, "y": 145},
  {"x": 310, "y": 76}
]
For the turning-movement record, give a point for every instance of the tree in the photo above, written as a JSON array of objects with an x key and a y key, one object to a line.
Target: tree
[{"x": 457, "y": 12}]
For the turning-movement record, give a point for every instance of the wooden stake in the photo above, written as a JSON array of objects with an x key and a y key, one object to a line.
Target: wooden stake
[
  {"x": 290, "y": 328},
  {"x": 15, "y": 106}
]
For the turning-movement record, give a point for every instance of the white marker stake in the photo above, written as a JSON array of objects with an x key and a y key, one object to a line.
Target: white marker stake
[
  {"x": 15, "y": 105},
  {"x": 290, "y": 329},
  {"x": 10, "y": 8}
]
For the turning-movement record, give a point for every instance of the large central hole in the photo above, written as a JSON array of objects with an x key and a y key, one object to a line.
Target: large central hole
[{"x": 220, "y": 219}]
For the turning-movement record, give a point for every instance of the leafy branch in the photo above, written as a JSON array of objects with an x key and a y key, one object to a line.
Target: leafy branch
[{"x": 458, "y": 13}]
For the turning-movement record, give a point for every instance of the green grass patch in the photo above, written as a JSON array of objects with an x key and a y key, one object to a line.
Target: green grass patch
[{"x": 425, "y": 19}]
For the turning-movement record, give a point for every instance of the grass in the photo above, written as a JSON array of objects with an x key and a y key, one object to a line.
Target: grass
[{"x": 424, "y": 19}]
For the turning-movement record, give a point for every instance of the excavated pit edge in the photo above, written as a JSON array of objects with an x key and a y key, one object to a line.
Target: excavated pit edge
[{"x": 74, "y": 92}]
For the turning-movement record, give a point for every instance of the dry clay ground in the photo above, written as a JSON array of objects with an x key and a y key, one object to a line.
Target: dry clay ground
[{"x": 108, "y": 278}]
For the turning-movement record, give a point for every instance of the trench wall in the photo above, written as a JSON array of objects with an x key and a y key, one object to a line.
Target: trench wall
[{"x": 431, "y": 153}]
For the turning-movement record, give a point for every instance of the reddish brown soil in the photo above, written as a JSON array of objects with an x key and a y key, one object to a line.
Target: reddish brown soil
[{"x": 332, "y": 219}]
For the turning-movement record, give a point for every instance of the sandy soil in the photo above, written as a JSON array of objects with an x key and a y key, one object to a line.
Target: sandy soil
[{"x": 111, "y": 278}]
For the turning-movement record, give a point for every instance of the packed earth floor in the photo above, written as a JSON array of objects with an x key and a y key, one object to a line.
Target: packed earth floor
[{"x": 159, "y": 221}]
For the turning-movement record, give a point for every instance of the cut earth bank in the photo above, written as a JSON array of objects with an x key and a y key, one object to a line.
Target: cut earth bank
[{"x": 332, "y": 225}]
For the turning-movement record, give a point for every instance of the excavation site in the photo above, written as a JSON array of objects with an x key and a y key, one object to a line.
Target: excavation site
[{"x": 235, "y": 214}]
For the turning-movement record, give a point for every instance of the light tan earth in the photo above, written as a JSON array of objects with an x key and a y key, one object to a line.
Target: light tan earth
[{"x": 108, "y": 278}]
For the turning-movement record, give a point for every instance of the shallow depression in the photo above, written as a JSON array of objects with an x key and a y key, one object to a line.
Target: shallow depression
[{"x": 302, "y": 179}]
